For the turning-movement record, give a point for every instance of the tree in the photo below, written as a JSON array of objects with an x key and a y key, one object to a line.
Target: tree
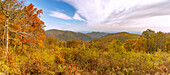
[
  {"x": 140, "y": 45},
  {"x": 129, "y": 44},
  {"x": 9, "y": 10},
  {"x": 20, "y": 24},
  {"x": 150, "y": 42},
  {"x": 51, "y": 41},
  {"x": 167, "y": 42},
  {"x": 115, "y": 45},
  {"x": 33, "y": 26},
  {"x": 160, "y": 40},
  {"x": 168, "y": 47},
  {"x": 74, "y": 43}
]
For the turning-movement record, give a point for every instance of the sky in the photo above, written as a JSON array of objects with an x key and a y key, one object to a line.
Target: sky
[{"x": 105, "y": 15}]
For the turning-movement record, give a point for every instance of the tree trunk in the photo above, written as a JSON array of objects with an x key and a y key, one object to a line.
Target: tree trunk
[{"x": 6, "y": 52}]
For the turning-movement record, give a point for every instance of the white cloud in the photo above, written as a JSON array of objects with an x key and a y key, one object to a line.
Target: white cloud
[
  {"x": 77, "y": 17},
  {"x": 59, "y": 15},
  {"x": 131, "y": 15}
]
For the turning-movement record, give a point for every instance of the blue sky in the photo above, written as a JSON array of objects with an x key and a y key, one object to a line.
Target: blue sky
[
  {"x": 51, "y": 22},
  {"x": 105, "y": 15}
]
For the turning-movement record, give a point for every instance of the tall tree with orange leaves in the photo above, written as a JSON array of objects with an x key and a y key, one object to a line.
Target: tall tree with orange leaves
[
  {"x": 19, "y": 24},
  {"x": 9, "y": 12},
  {"x": 33, "y": 26}
]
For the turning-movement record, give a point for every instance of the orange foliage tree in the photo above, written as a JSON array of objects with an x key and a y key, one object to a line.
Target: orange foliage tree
[
  {"x": 33, "y": 26},
  {"x": 20, "y": 25}
]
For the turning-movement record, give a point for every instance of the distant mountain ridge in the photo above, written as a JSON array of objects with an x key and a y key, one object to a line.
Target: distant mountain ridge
[
  {"x": 96, "y": 35},
  {"x": 69, "y": 35},
  {"x": 93, "y": 36},
  {"x": 122, "y": 36}
]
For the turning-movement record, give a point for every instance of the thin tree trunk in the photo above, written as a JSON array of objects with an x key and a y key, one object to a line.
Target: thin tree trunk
[
  {"x": 7, "y": 39},
  {"x": 6, "y": 52}
]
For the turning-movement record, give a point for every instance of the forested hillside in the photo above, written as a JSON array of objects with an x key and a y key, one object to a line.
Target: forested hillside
[
  {"x": 26, "y": 50},
  {"x": 96, "y": 35},
  {"x": 67, "y": 35},
  {"x": 122, "y": 36}
]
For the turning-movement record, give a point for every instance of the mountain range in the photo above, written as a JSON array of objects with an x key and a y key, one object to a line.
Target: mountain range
[
  {"x": 93, "y": 36},
  {"x": 69, "y": 35},
  {"x": 121, "y": 36}
]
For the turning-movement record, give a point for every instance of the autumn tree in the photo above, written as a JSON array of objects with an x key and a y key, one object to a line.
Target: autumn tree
[
  {"x": 129, "y": 44},
  {"x": 9, "y": 11},
  {"x": 167, "y": 41},
  {"x": 140, "y": 45},
  {"x": 33, "y": 26},
  {"x": 150, "y": 36},
  {"x": 20, "y": 24},
  {"x": 51, "y": 41},
  {"x": 115, "y": 45},
  {"x": 160, "y": 40},
  {"x": 98, "y": 45},
  {"x": 2, "y": 27},
  {"x": 154, "y": 41},
  {"x": 74, "y": 43},
  {"x": 167, "y": 47}
]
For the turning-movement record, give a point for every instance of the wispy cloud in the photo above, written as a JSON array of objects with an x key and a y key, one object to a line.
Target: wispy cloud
[
  {"x": 77, "y": 17},
  {"x": 60, "y": 15},
  {"x": 132, "y": 15}
]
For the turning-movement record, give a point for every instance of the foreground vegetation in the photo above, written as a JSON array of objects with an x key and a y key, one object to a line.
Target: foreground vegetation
[
  {"x": 84, "y": 59},
  {"x": 25, "y": 50}
]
